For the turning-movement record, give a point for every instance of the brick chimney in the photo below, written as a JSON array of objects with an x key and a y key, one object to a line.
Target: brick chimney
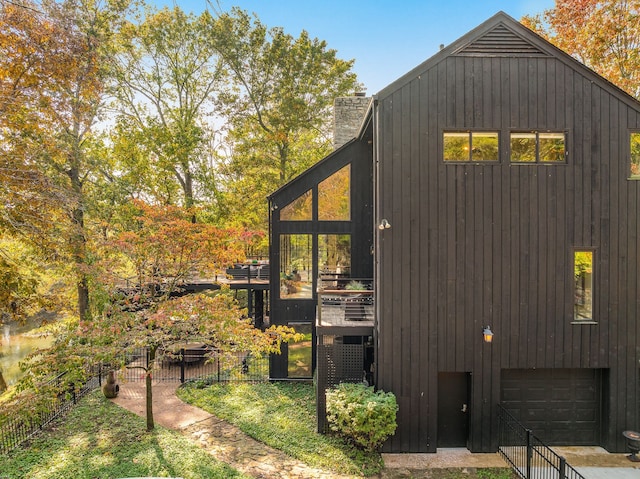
[{"x": 348, "y": 115}]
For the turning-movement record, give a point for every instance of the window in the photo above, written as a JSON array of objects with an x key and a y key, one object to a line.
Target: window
[
  {"x": 299, "y": 209},
  {"x": 635, "y": 155},
  {"x": 334, "y": 254},
  {"x": 583, "y": 275},
  {"x": 296, "y": 270},
  {"x": 299, "y": 353},
  {"x": 334, "y": 199},
  {"x": 470, "y": 146},
  {"x": 537, "y": 147}
]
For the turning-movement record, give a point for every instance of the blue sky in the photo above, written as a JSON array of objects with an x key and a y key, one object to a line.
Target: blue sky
[{"x": 387, "y": 38}]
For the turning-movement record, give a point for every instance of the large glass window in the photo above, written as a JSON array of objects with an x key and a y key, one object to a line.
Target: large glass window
[
  {"x": 537, "y": 147},
  {"x": 470, "y": 146},
  {"x": 334, "y": 198},
  {"x": 299, "y": 209},
  {"x": 583, "y": 274},
  {"x": 296, "y": 269},
  {"x": 334, "y": 254},
  {"x": 635, "y": 155},
  {"x": 299, "y": 353}
]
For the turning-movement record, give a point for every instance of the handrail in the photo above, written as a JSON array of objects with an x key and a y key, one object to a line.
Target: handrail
[{"x": 528, "y": 456}]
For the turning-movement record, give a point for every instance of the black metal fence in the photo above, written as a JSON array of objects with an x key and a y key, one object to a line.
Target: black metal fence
[
  {"x": 16, "y": 430},
  {"x": 195, "y": 362},
  {"x": 189, "y": 363},
  {"x": 529, "y": 457}
]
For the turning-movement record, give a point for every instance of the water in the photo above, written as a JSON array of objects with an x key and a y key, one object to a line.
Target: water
[{"x": 16, "y": 343}]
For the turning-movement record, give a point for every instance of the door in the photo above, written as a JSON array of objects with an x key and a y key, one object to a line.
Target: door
[
  {"x": 561, "y": 406},
  {"x": 453, "y": 409}
]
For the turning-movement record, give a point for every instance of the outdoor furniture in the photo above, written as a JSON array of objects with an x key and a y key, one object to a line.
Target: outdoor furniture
[{"x": 633, "y": 443}]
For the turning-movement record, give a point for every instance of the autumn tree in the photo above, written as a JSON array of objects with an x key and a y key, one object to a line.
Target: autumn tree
[
  {"x": 602, "y": 34},
  {"x": 168, "y": 78},
  {"x": 281, "y": 108},
  {"x": 53, "y": 79},
  {"x": 159, "y": 249},
  {"x": 163, "y": 247}
]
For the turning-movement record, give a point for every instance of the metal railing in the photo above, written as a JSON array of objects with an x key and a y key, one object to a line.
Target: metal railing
[
  {"x": 529, "y": 457},
  {"x": 186, "y": 364},
  {"x": 195, "y": 362},
  {"x": 343, "y": 301},
  {"x": 16, "y": 430}
]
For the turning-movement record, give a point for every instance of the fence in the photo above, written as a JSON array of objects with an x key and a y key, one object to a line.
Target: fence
[
  {"x": 195, "y": 362},
  {"x": 15, "y": 431},
  {"x": 190, "y": 363},
  {"x": 529, "y": 457}
]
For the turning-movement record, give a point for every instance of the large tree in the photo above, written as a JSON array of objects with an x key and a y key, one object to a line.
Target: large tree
[
  {"x": 280, "y": 110},
  {"x": 602, "y": 34},
  {"x": 168, "y": 77},
  {"x": 53, "y": 79}
]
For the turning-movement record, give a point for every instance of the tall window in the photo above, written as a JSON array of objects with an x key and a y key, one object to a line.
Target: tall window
[
  {"x": 334, "y": 254},
  {"x": 334, "y": 198},
  {"x": 635, "y": 155},
  {"x": 299, "y": 209},
  {"x": 583, "y": 294},
  {"x": 299, "y": 353},
  {"x": 470, "y": 146},
  {"x": 296, "y": 270},
  {"x": 537, "y": 147}
]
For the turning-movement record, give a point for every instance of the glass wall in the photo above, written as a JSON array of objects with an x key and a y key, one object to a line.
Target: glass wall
[
  {"x": 299, "y": 365},
  {"x": 296, "y": 268},
  {"x": 334, "y": 198},
  {"x": 334, "y": 254}
]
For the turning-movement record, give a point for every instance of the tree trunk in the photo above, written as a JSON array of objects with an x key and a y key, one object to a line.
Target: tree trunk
[
  {"x": 79, "y": 244},
  {"x": 3, "y": 383},
  {"x": 149, "y": 389}
]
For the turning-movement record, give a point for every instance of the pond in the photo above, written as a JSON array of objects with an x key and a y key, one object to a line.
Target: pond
[{"x": 17, "y": 340}]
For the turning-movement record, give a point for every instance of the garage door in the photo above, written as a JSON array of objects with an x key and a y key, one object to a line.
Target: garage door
[{"x": 561, "y": 406}]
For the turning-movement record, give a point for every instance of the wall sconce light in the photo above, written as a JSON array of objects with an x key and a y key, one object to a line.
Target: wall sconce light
[
  {"x": 487, "y": 334},
  {"x": 384, "y": 225}
]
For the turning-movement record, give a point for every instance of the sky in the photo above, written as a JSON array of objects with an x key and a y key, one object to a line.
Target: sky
[{"x": 386, "y": 38}]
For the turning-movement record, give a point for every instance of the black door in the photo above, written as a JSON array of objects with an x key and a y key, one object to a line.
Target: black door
[
  {"x": 453, "y": 409},
  {"x": 561, "y": 406}
]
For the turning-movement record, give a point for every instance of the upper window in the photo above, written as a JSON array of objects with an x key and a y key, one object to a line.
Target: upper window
[
  {"x": 470, "y": 146},
  {"x": 299, "y": 209},
  {"x": 583, "y": 295},
  {"x": 635, "y": 155},
  {"x": 334, "y": 196},
  {"x": 537, "y": 147}
]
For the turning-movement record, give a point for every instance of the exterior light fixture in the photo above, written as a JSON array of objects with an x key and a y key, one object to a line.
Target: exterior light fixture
[
  {"x": 487, "y": 334},
  {"x": 384, "y": 225}
]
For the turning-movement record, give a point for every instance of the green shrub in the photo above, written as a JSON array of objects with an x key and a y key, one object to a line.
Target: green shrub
[{"x": 358, "y": 413}]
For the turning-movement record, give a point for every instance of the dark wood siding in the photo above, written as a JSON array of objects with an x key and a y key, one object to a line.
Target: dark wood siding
[{"x": 492, "y": 244}]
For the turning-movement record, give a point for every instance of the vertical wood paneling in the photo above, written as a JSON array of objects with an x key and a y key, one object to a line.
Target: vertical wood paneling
[{"x": 473, "y": 245}]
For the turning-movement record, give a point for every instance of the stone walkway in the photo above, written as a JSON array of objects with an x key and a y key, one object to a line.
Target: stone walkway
[{"x": 230, "y": 445}]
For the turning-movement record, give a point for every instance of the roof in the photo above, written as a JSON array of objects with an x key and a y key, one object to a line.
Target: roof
[{"x": 503, "y": 36}]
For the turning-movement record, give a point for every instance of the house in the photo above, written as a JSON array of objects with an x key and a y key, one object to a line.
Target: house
[{"x": 492, "y": 189}]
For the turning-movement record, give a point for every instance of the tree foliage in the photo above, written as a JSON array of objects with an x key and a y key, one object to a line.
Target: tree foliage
[
  {"x": 280, "y": 108},
  {"x": 602, "y": 34},
  {"x": 53, "y": 78},
  {"x": 167, "y": 79}
]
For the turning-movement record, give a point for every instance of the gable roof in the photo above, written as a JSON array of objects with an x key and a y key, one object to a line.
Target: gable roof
[{"x": 503, "y": 36}]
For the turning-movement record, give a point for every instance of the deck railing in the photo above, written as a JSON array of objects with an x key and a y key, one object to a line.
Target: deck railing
[
  {"x": 529, "y": 457},
  {"x": 344, "y": 301}
]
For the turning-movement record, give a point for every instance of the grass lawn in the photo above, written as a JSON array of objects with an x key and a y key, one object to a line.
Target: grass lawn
[
  {"x": 98, "y": 439},
  {"x": 281, "y": 415}
]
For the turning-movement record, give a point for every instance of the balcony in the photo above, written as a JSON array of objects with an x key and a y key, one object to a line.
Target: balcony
[{"x": 345, "y": 303}]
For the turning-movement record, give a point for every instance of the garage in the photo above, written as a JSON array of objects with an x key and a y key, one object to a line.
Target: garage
[{"x": 560, "y": 406}]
